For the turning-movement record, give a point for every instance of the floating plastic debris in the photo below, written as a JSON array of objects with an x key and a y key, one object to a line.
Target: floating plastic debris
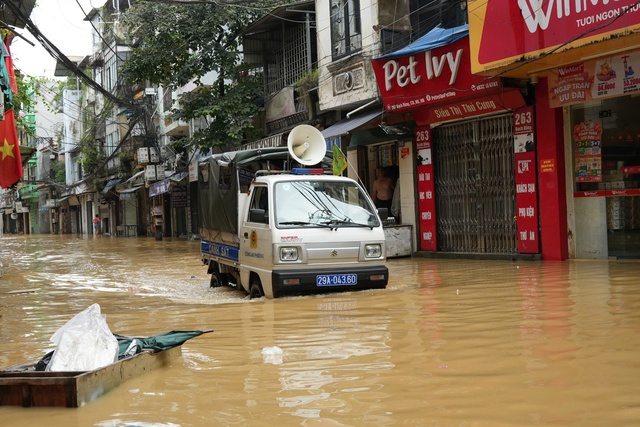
[{"x": 272, "y": 355}]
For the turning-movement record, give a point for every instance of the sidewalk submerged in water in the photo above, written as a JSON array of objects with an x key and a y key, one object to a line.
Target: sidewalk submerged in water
[{"x": 485, "y": 256}]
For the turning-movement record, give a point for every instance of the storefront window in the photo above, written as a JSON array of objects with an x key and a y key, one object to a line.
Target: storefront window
[{"x": 606, "y": 163}]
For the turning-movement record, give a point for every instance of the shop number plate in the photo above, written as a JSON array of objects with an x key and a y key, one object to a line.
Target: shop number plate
[{"x": 336, "y": 279}]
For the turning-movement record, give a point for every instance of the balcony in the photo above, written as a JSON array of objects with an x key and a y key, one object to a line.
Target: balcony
[
  {"x": 174, "y": 127},
  {"x": 96, "y": 60},
  {"x": 30, "y": 192}
]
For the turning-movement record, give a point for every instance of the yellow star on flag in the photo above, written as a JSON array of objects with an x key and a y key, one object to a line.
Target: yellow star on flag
[
  {"x": 339, "y": 160},
  {"x": 7, "y": 150}
]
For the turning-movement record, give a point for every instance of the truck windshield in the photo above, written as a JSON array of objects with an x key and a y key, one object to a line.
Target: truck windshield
[{"x": 320, "y": 203}]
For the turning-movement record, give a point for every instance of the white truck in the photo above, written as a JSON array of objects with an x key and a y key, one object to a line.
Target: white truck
[{"x": 273, "y": 231}]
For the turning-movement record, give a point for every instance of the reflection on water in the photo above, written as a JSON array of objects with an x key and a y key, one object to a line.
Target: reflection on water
[{"x": 449, "y": 342}]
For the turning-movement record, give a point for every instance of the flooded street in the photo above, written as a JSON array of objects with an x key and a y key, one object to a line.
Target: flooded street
[{"x": 448, "y": 343}]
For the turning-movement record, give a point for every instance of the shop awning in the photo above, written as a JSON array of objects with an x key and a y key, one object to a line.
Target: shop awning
[
  {"x": 128, "y": 193},
  {"x": 178, "y": 176},
  {"x": 130, "y": 190},
  {"x": 381, "y": 134},
  {"x": 276, "y": 140},
  {"x": 347, "y": 125},
  {"x": 133, "y": 178},
  {"x": 24, "y": 9},
  {"x": 274, "y": 19},
  {"x": 435, "y": 38},
  {"x": 110, "y": 184},
  {"x": 56, "y": 203}
]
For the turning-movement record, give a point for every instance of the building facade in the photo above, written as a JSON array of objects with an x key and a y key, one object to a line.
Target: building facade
[{"x": 582, "y": 62}]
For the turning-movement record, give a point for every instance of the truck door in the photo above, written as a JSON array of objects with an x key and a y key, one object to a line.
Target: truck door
[{"x": 255, "y": 236}]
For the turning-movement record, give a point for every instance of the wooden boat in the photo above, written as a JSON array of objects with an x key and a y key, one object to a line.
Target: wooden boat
[{"x": 22, "y": 385}]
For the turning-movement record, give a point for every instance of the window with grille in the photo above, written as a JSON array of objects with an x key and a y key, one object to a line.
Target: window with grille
[
  {"x": 428, "y": 14},
  {"x": 346, "y": 36}
]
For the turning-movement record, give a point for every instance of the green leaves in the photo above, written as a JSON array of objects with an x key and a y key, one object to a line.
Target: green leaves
[{"x": 197, "y": 44}]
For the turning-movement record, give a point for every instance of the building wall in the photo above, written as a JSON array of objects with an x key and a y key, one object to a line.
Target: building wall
[
  {"x": 331, "y": 73},
  {"x": 568, "y": 178},
  {"x": 407, "y": 184},
  {"x": 553, "y": 211},
  {"x": 590, "y": 235},
  {"x": 72, "y": 131}
]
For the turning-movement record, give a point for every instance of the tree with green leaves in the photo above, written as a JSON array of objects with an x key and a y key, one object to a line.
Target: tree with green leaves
[{"x": 180, "y": 43}]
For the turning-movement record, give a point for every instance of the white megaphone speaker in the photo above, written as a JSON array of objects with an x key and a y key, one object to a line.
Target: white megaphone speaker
[{"x": 306, "y": 145}]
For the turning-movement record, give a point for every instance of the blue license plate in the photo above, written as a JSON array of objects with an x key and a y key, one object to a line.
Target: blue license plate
[{"x": 336, "y": 279}]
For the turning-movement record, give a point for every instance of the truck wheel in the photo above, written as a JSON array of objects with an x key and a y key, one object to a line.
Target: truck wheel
[
  {"x": 216, "y": 280},
  {"x": 255, "y": 291}
]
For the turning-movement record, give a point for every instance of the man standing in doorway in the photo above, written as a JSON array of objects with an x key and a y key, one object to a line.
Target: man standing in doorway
[
  {"x": 382, "y": 190},
  {"x": 96, "y": 225}
]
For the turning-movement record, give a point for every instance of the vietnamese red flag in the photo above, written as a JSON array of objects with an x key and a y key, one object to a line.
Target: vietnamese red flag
[{"x": 10, "y": 160}]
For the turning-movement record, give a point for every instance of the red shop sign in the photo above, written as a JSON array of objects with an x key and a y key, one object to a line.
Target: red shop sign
[
  {"x": 426, "y": 190},
  {"x": 513, "y": 28},
  {"x": 509, "y": 99},
  {"x": 431, "y": 77},
  {"x": 526, "y": 191}
]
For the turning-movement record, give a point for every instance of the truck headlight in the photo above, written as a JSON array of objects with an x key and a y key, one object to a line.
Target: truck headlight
[
  {"x": 288, "y": 253},
  {"x": 373, "y": 250}
]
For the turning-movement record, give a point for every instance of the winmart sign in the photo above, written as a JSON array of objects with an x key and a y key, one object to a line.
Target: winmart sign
[{"x": 506, "y": 31}]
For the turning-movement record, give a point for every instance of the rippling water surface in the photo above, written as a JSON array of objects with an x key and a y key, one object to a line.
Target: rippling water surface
[{"x": 448, "y": 343}]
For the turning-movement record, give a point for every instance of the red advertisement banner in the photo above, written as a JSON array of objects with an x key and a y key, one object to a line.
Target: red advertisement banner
[
  {"x": 604, "y": 78},
  {"x": 628, "y": 170},
  {"x": 527, "y": 203},
  {"x": 608, "y": 193},
  {"x": 481, "y": 105},
  {"x": 587, "y": 139},
  {"x": 426, "y": 190}
]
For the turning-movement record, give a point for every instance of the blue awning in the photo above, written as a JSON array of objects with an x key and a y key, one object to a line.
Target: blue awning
[
  {"x": 435, "y": 38},
  {"x": 177, "y": 177}
]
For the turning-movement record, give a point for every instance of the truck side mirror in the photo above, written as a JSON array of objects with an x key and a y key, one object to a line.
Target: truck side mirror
[
  {"x": 258, "y": 215},
  {"x": 383, "y": 213}
]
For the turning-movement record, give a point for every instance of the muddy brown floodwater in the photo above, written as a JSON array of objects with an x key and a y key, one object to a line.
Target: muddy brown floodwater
[{"x": 448, "y": 343}]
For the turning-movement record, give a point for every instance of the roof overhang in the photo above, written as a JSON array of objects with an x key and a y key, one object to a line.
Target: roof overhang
[
  {"x": 26, "y": 153},
  {"x": 16, "y": 18},
  {"x": 351, "y": 123},
  {"x": 61, "y": 68},
  {"x": 281, "y": 14}
]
